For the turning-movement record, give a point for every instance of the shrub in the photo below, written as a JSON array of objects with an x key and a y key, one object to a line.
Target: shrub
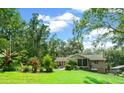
[
  {"x": 68, "y": 67},
  {"x": 7, "y": 63},
  {"x": 9, "y": 68},
  {"x": 26, "y": 69},
  {"x": 72, "y": 63},
  {"x": 82, "y": 68},
  {"x": 41, "y": 70},
  {"x": 34, "y": 63},
  {"x": 122, "y": 69},
  {"x": 76, "y": 68},
  {"x": 49, "y": 69},
  {"x": 8, "y": 55},
  {"x": 122, "y": 74},
  {"x": 55, "y": 65},
  {"x": 47, "y": 62}
]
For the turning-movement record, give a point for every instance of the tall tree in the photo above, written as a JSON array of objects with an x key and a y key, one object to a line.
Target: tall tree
[
  {"x": 114, "y": 56},
  {"x": 37, "y": 35},
  {"x": 111, "y": 19},
  {"x": 53, "y": 46},
  {"x": 73, "y": 46},
  {"x": 10, "y": 22}
]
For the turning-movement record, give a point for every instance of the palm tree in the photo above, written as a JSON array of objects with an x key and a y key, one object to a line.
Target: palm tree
[{"x": 8, "y": 55}]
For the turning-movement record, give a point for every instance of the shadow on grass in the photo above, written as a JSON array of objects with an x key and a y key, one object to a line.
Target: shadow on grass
[{"x": 92, "y": 80}]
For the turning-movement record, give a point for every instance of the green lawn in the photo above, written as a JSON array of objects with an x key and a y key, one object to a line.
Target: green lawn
[{"x": 58, "y": 77}]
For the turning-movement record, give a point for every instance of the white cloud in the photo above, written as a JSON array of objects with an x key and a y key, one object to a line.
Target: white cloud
[
  {"x": 44, "y": 18},
  {"x": 109, "y": 44},
  {"x": 80, "y": 9},
  {"x": 67, "y": 17},
  {"x": 58, "y": 23},
  {"x": 88, "y": 39},
  {"x": 87, "y": 45},
  {"x": 99, "y": 31}
]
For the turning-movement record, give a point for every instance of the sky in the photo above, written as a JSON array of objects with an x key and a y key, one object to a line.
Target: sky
[
  {"x": 60, "y": 22},
  {"x": 60, "y": 19}
]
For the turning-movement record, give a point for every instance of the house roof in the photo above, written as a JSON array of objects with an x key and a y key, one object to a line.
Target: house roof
[
  {"x": 94, "y": 57},
  {"x": 90, "y": 57},
  {"x": 61, "y": 59}
]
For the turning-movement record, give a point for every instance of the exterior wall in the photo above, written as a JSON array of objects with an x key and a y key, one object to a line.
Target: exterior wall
[{"x": 99, "y": 65}]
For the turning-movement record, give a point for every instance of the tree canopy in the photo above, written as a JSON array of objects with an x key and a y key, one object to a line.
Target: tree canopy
[{"x": 96, "y": 18}]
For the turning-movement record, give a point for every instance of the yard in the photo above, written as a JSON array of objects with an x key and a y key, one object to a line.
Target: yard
[{"x": 59, "y": 77}]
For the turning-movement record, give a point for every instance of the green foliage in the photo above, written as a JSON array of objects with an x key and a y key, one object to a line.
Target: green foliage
[
  {"x": 55, "y": 65},
  {"x": 71, "y": 64},
  {"x": 9, "y": 68},
  {"x": 41, "y": 69},
  {"x": 53, "y": 46},
  {"x": 74, "y": 46},
  {"x": 26, "y": 69},
  {"x": 50, "y": 69},
  {"x": 114, "y": 56},
  {"x": 22, "y": 57},
  {"x": 47, "y": 62},
  {"x": 37, "y": 35},
  {"x": 122, "y": 74},
  {"x": 122, "y": 69},
  {"x": 10, "y": 20},
  {"x": 34, "y": 63},
  {"x": 4, "y": 44},
  {"x": 9, "y": 25},
  {"x": 93, "y": 19},
  {"x": 68, "y": 67},
  {"x": 1, "y": 61},
  {"x": 82, "y": 68},
  {"x": 8, "y": 56}
]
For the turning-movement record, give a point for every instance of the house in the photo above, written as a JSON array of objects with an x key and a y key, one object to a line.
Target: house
[
  {"x": 91, "y": 62},
  {"x": 61, "y": 61}
]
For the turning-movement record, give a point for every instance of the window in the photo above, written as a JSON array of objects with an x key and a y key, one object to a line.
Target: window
[
  {"x": 79, "y": 62},
  {"x": 84, "y": 62}
]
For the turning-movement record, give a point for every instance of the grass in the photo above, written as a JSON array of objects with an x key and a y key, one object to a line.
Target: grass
[{"x": 59, "y": 77}]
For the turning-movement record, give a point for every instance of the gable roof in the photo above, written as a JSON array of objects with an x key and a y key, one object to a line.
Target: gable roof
[
  {"x": 90, "y": 57},
  {"x": 61, "y": 59},
  {"x": 94, "y": 57},
  {"x": 75, "y": 56}
]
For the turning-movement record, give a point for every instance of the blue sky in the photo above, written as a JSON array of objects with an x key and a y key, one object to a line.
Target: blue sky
[
  {"x": 60, "y": 19},
  {"x": 60, "y": 22}
]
